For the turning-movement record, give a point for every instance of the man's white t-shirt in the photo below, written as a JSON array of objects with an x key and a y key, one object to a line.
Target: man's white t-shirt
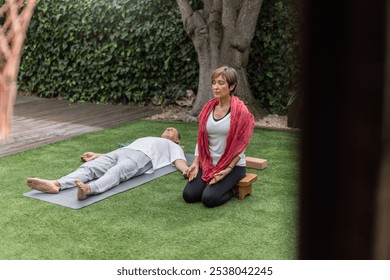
[{"x": 160, "y": 150}]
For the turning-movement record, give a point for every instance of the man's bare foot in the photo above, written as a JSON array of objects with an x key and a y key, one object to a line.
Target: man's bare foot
[
  {"x": 47, "y": 186},
  {"x": 83, "y": 190}
]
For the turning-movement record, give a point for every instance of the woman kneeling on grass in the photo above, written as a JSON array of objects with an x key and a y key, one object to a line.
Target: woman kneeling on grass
[{"x": 225, "y": 129}]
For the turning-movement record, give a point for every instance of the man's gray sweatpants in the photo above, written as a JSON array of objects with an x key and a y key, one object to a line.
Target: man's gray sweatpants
[{"x": 110, "y": 170}]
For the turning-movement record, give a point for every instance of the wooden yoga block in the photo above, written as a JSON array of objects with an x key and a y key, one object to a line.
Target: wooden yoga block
[
  {"x": 256, "y": 163},
  {"x": 245, "y": 185}
]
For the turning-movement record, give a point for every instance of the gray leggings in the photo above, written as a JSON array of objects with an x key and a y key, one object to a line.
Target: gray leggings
[{"x": 108, "y": 170}]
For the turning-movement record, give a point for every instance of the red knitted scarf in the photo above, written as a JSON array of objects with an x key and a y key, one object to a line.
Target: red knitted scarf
[{"x": 240, "y": 132}]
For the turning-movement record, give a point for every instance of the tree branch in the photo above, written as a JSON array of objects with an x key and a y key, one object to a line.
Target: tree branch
[
  {"x": 215, "y": 30},
  {"x": 247, "y": 21},
  {"x": 239, "y": 20},
  {"x": 186, "y": 13}
]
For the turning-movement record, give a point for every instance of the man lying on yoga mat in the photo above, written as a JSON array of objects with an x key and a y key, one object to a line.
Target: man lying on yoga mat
[{"x": 144, "y": 155}]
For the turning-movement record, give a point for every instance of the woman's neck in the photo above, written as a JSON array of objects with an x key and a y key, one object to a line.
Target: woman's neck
[{"x": 225, "y": 102}]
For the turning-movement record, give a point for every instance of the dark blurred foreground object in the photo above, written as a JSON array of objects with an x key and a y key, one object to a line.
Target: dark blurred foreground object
[{"x": 344, "y": 207}]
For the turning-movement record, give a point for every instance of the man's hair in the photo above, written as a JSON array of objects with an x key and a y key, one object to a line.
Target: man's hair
[{"x": 229, "y": 73}]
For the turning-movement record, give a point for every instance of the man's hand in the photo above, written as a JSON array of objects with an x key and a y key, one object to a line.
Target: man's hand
[
  {"x": 181, "y": 165},
  {"x": 88, "y": 156}
]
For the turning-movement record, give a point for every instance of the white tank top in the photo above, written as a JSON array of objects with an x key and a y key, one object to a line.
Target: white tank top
[{"x": 218, "y": 131}]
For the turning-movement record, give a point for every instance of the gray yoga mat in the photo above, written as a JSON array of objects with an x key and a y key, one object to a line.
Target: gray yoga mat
[{"x": 68, "y": 198}]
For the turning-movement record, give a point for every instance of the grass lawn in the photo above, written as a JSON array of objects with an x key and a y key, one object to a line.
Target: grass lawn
[{"x": 151, "y": 221}]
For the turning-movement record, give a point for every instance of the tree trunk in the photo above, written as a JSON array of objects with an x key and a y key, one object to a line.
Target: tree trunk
[
  {"x": 222, "y": 33},
  {"x": 17, "y": 16}
]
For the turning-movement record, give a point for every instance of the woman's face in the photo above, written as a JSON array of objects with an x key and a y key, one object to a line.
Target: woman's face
[{"x": 221, "y": 87}]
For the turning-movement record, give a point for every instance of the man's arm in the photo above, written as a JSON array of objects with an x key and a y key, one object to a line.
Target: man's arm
[{"x": 182, "y": 165}]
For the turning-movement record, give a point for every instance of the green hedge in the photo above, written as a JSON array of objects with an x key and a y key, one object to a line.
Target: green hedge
[
  {"x": 120, "y": 50},
  {"x": 274, "y": 65}
]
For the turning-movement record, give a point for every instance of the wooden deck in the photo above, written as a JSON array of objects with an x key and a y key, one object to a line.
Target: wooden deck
[{"x": 40, "y": 121}]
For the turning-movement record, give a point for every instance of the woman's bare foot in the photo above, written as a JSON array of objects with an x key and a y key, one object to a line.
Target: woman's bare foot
[
  {"x": 47, "y": 186},
  {"x": 83, "y": 190}
]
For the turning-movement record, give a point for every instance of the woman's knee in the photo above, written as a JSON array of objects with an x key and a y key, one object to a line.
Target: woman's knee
[
  {"x": 216, "y": 195},
  {"x": 210, "y": 199},
  {"x": 189, "y": 195}
]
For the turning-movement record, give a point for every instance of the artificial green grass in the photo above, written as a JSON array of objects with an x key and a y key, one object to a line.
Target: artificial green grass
[{"x": 151, "y": 221}]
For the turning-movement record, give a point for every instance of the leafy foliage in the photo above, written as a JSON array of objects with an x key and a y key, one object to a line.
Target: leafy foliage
[
  {"x": 274, "y": 65},
  {"x": 121, "y": 50},
  {"x": 106, "y": 50}
]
